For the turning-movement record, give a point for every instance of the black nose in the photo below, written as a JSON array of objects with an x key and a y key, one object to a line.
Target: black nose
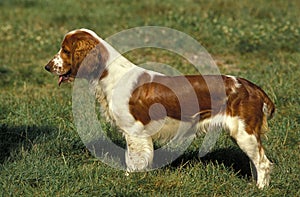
[{"x": 47, "y": 67}]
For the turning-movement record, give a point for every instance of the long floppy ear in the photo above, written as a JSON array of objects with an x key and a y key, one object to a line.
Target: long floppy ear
[{"x": 90, "y": 59}]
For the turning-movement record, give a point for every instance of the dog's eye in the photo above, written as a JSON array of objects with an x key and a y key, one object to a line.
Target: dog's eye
[{"x": 66, "y": 51}]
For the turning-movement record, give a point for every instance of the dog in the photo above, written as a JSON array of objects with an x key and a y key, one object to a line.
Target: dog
[{"x": 148, "y": 106}]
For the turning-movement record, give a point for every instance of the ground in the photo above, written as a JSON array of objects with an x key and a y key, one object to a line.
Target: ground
[{"x": 41, "y": 152}]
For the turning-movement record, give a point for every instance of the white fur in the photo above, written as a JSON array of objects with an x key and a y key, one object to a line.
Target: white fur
[
  {"x": 248, "y": 143},
  {"x": 113, "y": 93},
  {"x": 58, "y": 64},
  {"x": 236, "y": 83},
  {"x": 118, "y": 87}
]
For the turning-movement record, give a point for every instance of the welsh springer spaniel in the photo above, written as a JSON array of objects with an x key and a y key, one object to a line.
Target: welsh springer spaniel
[{"x": 149, "y": 105}]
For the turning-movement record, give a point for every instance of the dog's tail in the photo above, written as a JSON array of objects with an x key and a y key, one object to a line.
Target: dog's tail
[{"x": 269, "y": 107}]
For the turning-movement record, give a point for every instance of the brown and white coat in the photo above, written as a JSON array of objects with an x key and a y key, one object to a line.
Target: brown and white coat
[{"x": 148, "y": 106}]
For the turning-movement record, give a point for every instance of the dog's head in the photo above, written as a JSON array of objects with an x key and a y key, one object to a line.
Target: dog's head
[{"x": 82, "y": 49}]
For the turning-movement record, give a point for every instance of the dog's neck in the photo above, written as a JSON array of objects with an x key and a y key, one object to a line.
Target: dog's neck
[
  {"x": 117, "y": 66},
  {"x": 116, "y": 69}
]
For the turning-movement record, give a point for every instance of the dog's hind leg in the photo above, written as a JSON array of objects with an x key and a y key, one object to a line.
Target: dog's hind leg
[{"x": 251, "y": 145}]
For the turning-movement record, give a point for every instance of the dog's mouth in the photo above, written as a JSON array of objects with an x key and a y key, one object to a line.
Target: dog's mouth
[{"x": 64, "y": 77}]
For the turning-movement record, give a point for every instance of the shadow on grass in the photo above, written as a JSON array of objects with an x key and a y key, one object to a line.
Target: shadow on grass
[
  {"x": 108, "y": 152},
  {"x": 231, "y": 158},
  {"x": 13, "y": 138}
]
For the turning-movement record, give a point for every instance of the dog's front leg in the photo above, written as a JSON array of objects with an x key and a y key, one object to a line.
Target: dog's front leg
[{"x": 139, "y": 153}]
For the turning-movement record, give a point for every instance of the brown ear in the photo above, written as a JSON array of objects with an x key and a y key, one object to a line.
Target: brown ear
[{"x": 90, "y": 59}]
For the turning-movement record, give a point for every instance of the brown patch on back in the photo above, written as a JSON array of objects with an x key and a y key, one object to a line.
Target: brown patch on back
[
  {"x": 183, "y": 97},
  {"x": 196, "y": 96}
]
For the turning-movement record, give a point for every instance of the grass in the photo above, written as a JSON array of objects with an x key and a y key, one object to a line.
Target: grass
[{"x": 41, "y": 153}]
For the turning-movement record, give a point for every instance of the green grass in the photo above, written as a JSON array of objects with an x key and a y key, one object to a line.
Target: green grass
[{"x": 41, "y": 153}]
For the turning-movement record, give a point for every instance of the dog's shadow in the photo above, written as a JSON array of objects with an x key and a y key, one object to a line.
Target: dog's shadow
[
  {"x": 231, "y": 158},
  {"x": 13, "y": 138}
]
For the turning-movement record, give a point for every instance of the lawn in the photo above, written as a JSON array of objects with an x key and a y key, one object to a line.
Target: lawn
[{"x": 41, "y": 153}]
